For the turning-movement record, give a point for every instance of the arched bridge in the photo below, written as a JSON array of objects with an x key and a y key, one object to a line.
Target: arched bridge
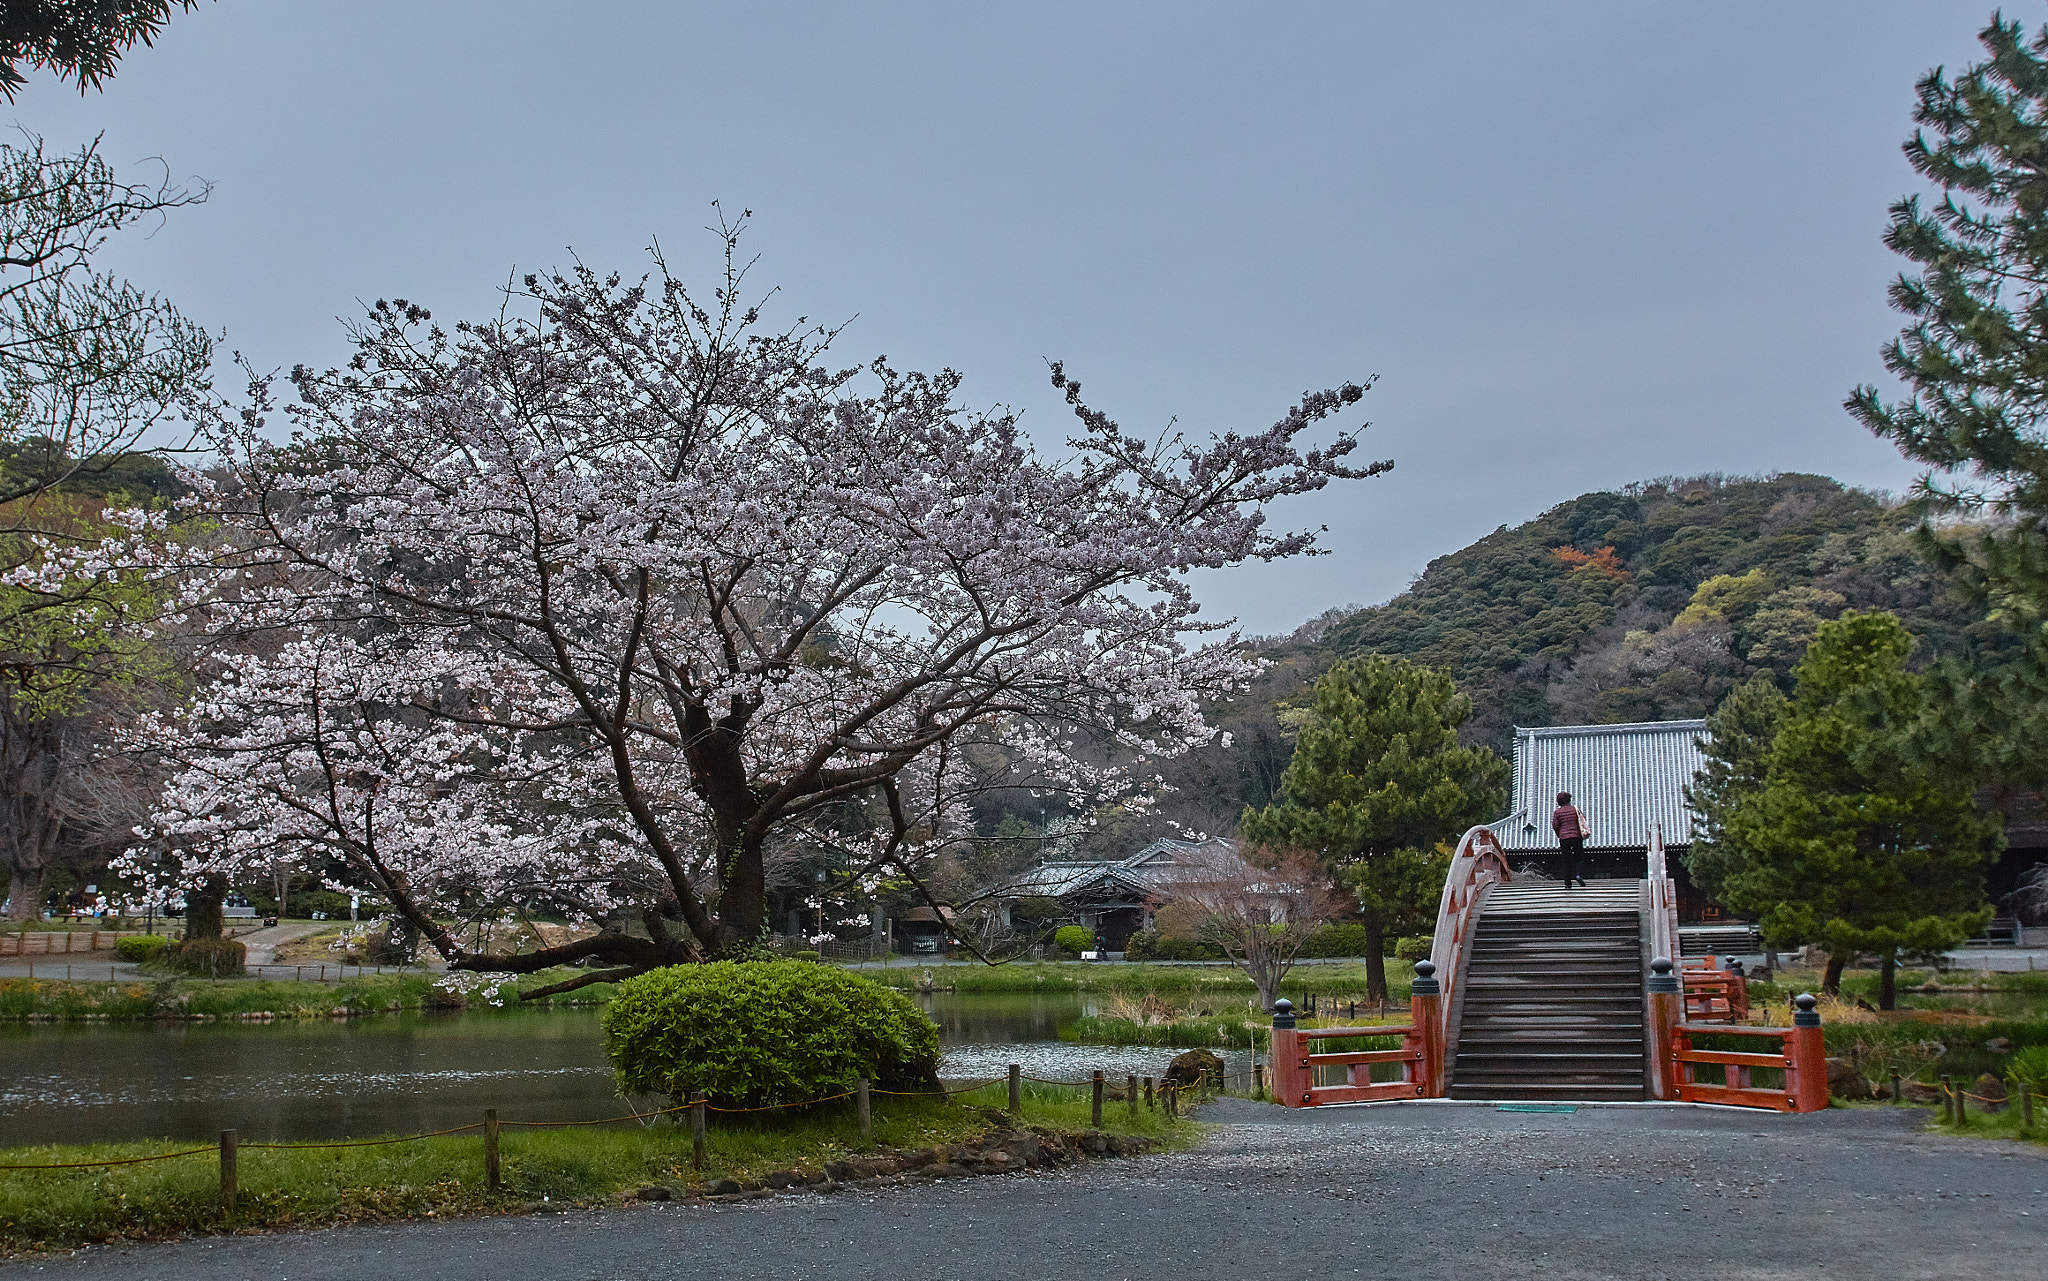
[{"x": 1538, "y": 992}]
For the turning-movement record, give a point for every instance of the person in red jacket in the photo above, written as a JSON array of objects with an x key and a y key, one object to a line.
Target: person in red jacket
[{"x": 1570, "y": 826}]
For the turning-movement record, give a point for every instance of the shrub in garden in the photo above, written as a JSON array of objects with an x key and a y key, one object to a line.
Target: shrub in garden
[
  {"x": 1336, "y": 940},
  {"x": 140, "y": 947},
  {"x": 1415, "y": 947},
  {"x": 1074, "y": 939},
  {"x": 206, "y": 958},
  {"x": 765, "y": 1032},
  {"x": 2028, "y": 1069}
]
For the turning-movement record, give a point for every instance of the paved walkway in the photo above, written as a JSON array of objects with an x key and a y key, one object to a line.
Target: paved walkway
[{"x": 1415, "y": 1191}]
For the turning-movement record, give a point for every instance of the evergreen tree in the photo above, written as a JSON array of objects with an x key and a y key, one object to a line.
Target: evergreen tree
[
  {"x": 1854, "y": 840},
  {"x": 1973, "y": 356},
  {"x": 1377, "y": 785},
  {"x": 1737, "y": 746}
]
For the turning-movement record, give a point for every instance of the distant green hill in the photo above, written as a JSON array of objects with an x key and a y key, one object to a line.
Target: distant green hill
[
  {"x": 1651, "y": 603},
  {"x": 1645, "y": 604}
]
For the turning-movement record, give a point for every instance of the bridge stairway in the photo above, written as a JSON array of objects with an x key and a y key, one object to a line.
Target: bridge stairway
[{"x": 1551, "y": 1002}]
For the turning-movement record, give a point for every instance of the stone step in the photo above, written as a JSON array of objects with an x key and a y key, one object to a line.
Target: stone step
[{"x": 1547, "y": 1093}]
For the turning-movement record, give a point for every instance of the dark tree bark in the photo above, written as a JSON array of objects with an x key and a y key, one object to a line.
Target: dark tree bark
[
  {"x": 203, "y": 908},
  {"x": 1887, "y": 982},
  {"x": 1831, "y": 981},
  {"x": 1375, "y": 961}
]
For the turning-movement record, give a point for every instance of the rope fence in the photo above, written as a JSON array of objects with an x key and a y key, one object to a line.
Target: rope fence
[{"x": 1167, "y": 1094}]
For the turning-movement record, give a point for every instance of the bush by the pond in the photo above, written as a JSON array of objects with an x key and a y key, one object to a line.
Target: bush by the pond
[
  {"x": 206, "y": 958},
  {"x": 1147, "y": 945},
  {"x": 1415, "y": 947},
  {"x": 1325, "y": 943},
  {"x": 141, "y": 947},
  {"x": 1074, "y": 939},
  {"x": 1189, "y": 1033},
  {"x": 765, "y": 1032}
]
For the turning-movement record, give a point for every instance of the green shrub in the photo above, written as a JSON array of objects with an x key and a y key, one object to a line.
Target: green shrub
[
  {"x": 1335, "y": 940},
  {"x": 2029, "y": 1067},
  {"x": 1415, "y": 947},
  {"x": 763, "y": 1033},
  {"x": 1074, "y": 939},
  {"x": 805, "y": 956},
  {"x": 206, "y": 958},
  {"x": 141, "y": 947}
]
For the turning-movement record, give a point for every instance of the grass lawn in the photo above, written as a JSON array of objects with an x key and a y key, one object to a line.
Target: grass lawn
[
  {"x": 1339, "y": 980},
  {"x": 311, "y": 1186}
]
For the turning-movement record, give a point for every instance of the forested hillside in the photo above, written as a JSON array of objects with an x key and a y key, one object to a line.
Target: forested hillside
[
  {"x": 1651, "y": 603},
  {"x": 1646, "y": 604}
]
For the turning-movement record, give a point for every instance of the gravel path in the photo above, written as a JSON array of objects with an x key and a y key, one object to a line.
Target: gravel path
[{"x": 1409, "y": 1192}]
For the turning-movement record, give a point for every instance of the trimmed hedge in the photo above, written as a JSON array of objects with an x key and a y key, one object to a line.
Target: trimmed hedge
[
  {"x": 1074, "y": 939},
  {"x": 1329, "y": 941},
  {"x": 140, "y": 947},
  {"x": 1146, "y": 945},
  {"x": 206, "y": 958},
  {"x": 760, "y": 1033}
]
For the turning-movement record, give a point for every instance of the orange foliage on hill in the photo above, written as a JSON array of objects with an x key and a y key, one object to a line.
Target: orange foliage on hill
[{"x": 1603, "y": 560}]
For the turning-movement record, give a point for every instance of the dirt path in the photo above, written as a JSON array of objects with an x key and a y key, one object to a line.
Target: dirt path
[{"x": 263, "y": 943}]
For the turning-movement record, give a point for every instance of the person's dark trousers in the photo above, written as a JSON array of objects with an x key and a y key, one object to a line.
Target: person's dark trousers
[{"x": 1569, "y": 849}]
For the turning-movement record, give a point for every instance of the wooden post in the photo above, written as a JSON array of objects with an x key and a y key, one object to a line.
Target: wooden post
[
  {"x": 1148, "y": 1093},
  {"x": 228, "y": 1144},
  {"x": 1016, "y": 1090},
  {"x": 2026, "y": 1105},
  {"x": 1896, "y": 1091},
  {"x": 1809, "y": 1055},
  {"x": 1258, "y": 1078},
  {"x": 1131, "y": 1093},
  {"x": 1426, "y": 1001},
  {"x": 1095, "y": 1111},
  {"x": 860, "y": 1107},
  {"x": 1948, "y": 1101},
  {"x": 698, "y": 1111},
  {"x": 1291, "y": 1080},
  {"x": 493, "y": 1175},
  {"x": 1667, "y": 1011}
]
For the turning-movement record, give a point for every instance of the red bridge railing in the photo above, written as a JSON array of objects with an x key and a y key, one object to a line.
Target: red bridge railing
[
  {"x": 1800, "y": 1054},
  {"x": 1420, "y": 1056}
]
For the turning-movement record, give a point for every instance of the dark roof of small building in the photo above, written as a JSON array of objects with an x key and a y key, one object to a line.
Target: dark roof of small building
[
  {"x": 1623, "y": 778},
  {"x": 1152, "y": 870}
]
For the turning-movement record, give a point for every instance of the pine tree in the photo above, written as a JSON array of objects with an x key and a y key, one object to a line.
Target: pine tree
[
  {"x": 1737, "y": 746},
  {"x": 1973, "y": 357},
  {"x": 1854, "y": 840},
  {"x": 1377, "y": 785}
]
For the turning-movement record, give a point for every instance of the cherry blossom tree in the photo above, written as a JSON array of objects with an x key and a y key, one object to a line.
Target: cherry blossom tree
[
  {"x": 599, "y": 601},
  {"x": 1262, "y": 913}
]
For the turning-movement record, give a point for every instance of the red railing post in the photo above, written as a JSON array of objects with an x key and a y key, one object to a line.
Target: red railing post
[
  {"x": 1426, "y": 1003},
  {"x": 1807, "y": 1081},
  {"x": 1291, "y": 1078},
  {"x": 1667, "y": 1011}
]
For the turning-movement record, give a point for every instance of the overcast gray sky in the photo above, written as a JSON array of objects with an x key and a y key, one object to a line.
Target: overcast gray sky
[{"x": 1580, "y": 244}]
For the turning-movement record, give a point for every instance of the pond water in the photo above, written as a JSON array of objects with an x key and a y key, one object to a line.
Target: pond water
[{"x": 397, "y": 1073}]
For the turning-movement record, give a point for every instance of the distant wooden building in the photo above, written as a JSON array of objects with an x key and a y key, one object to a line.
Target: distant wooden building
[
  {"x": 1624, "y": 779},
  {"x": 1115, "y": 898}
]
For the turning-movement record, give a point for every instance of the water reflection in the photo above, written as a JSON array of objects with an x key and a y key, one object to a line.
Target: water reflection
[{"x": 77, "y": 1083}]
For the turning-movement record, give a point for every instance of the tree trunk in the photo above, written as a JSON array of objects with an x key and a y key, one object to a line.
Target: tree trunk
[
  {"x": 203, "y": 907},
  {"x": 1887, "y": 982},
  {"x": 24, "y": 894},
  {"x": 1269, "y": 991},
  {"x": 1831, "y": 981},
  {"x": 1375, "y": 962}
]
